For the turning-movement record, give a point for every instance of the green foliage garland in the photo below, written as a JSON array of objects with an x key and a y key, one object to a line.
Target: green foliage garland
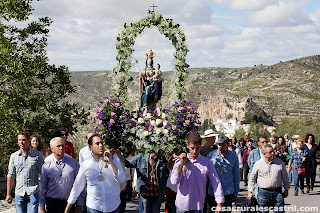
[{"x": 125, "y": 43}]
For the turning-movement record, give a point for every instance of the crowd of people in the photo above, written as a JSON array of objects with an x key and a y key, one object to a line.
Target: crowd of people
[{"x": 206, "y": 178}]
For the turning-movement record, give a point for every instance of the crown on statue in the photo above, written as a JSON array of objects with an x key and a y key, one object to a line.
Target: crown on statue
[{"x": 150, "y": 54}]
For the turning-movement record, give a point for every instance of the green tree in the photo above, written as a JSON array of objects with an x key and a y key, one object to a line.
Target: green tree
[
  {"x": 239, "y": 133},
  {"x": 207, "y": 124},
  {"x": 258, "y": 129},
  {"x": 299, "y": 126},
  {"x": 33, "y": 93}
]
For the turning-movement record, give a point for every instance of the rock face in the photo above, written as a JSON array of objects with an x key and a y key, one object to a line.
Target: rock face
[
  {"x": 217, "y": 107},
  {"x": 285, "y": 89}
]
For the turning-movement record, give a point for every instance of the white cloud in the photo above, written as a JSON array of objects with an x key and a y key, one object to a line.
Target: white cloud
[
  {"x": 84, "y": 32},
  {"x": 285, "y": 13}
]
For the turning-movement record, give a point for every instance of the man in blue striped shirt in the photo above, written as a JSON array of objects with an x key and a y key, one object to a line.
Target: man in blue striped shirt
[{"x": 24, "y": 167}]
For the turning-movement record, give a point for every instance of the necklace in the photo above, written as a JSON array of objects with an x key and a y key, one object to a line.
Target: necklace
[{"x": 100, "y": 177}]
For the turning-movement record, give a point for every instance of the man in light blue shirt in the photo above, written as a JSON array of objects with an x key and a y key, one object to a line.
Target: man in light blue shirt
[
  {"x": 85, "y": 153},
  {"x": 226, "y": 164},
  {"x": 256, "y": 154}
]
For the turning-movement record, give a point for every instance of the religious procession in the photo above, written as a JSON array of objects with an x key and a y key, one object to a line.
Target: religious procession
[
  {"x": 161, "y": 157},
  {"x": 155, "y": 153}
]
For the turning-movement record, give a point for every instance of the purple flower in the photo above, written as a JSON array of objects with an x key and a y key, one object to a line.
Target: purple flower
[
  {"x": 116, "y": 105},
  {"x": 133, "y": 122},
  {"x": 95, "y": 129},
  {"x": 180, "y": 132}
]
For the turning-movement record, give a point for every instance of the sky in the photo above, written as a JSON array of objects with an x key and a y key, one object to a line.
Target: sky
[{"x": 220, "y": 33}]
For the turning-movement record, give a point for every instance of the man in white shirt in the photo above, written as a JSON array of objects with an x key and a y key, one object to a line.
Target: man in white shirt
[
  {"x": 85, "y": 152},
  {"x": 102, "y": 174}
]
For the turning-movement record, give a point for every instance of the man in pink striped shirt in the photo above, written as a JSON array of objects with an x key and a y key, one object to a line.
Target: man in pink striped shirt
[{"x": 190, "y": 173}]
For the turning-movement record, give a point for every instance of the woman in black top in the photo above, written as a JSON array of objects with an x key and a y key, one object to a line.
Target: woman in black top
[{"x": 311, "y": 150}]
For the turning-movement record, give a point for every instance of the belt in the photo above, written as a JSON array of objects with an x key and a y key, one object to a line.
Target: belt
[{"x": 272, "y": 190}]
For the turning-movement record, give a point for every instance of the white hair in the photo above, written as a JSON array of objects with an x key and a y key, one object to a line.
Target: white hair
[
  {"x": 53, "y": 141},
  {"x": 264, "y": 148}
]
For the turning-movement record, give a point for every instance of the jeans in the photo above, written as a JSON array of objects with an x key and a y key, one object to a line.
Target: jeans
[
  {"x": 228, "y": 199},
  {"x": 27, "y": 203},
  {"x": 151, "y": 204},
  {"x": 191, "y": 211},
  {"x": 268, "y": 199},
  {"x": 298, "y": 180},
  {"x": 89, "y": 210}
]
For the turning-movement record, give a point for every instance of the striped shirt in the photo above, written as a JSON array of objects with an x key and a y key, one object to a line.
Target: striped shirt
[{"x": 26, "y": 170}]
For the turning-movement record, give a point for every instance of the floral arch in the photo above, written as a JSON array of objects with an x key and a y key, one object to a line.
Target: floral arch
[{"x": 125, "y": 43}]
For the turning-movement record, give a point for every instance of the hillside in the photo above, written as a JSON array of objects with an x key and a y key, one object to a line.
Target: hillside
[{"x": 285, "y": 89}]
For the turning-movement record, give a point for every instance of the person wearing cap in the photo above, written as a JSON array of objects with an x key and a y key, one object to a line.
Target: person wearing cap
[
  {"x": 209, "y": 146},
  {"x": 226, "y": 164}
]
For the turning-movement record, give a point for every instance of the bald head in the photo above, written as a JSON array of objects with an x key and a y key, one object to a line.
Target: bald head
[{"x": 88, "y": 136}]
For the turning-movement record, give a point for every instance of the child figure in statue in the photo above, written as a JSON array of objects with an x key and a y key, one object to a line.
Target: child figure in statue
[{"x": 150, "y": 83}]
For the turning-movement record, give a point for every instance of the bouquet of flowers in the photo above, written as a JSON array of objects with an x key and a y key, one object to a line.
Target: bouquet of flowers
[
  {"x": 149, "y": 130},
  {"x": 184, "y": 120},
  {"x": 111, "y": 119}
]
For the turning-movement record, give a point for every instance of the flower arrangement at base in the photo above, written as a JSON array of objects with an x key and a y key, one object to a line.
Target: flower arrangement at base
[
  {"x": 111, "y": 119},
  {"x": 157, "y": 130},
  {"x": 149, "y": 130}
]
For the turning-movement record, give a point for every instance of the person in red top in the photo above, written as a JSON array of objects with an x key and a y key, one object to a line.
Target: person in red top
[
  {"x": 63, "y": 133},
  {"x": 245, "y": 157}
]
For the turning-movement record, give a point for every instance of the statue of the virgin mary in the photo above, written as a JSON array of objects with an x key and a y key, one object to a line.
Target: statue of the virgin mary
[{"x": 150, "y": 83}]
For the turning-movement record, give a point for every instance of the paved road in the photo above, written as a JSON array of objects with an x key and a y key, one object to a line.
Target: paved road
[{"x": 307, "y": 200}]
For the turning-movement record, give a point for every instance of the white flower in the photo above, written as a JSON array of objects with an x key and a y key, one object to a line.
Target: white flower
[
  {"x": 135, "y": 115},
  {"x": 165, "y": 131},
  {"x": 148, "y": 115},
  {"x": 132, "y": 130},
  {"x": 140, "y": 120},
  {"x": 145, "y": 133},
  {"x": 158, "y": 121},
  {"x": 163, "y": 116},
  {"x": 158, "y": 131},
  {"x": 153, "y": 123}
]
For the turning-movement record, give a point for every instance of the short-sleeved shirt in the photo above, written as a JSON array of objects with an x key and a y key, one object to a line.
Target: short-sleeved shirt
[{"x": 26, "y": 170}]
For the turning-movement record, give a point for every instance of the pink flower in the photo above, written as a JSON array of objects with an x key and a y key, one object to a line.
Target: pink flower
[
  {"x": 187, "y": 122},
  {"x": 198, "y": 122},
  {"x": 181, "y": 109},
  {"x": 157, "y": 112},
  {"x": 189, "y": 108},
  {"x": 100, "y": 109},
  {"x": 100, "y": 122},
  {"x": 174, "y": 127},
  {"x": 148, "y": 126},
  {"x": 112, "y": 114},
  {"x": 165, "y": 123},
  {"x": 106, "y": 101},
  {"x": 97, "y": 115},
  {"x": 100, "y": 133},
  {"x": 189, "y": 116},
  {"x": 116, "y": 105},
  {"x": 111, "y": 121}
]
